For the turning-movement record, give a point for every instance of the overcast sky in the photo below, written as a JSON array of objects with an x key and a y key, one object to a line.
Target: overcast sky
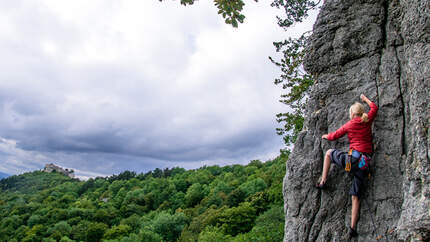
[{"x": 104, "y": 86}]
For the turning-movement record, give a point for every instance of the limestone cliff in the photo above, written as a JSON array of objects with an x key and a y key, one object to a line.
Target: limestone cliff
[{"x": 380, "y": 48}]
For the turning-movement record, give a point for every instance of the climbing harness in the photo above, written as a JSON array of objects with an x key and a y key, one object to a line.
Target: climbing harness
[
  {"x": 361, "y": 160},
  {"x": 348, "y": 161}
]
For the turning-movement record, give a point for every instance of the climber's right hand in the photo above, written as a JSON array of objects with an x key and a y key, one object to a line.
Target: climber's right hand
[
  {"x": 325, "y": 136},
  {"x": 365, "y": 99}
]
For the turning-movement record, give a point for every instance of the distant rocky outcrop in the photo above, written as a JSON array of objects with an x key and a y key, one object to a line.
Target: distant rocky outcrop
[
  {"x": 54, "y": 168},
  {"x": 379, "y": 48}
]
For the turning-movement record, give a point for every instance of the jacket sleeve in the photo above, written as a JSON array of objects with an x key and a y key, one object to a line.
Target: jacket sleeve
[
  {"x": 372, "y": 112},
  {"x": 338, "y": 133}
]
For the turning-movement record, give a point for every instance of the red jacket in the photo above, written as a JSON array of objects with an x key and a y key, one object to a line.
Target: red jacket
[{"x": 359, "y": 133}]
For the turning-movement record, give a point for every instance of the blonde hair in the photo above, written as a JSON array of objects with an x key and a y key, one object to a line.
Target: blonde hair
[{"x": 358, "y": 110}]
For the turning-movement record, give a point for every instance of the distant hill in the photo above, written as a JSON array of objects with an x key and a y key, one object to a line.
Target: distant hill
[
  {"x": 3, "y": 175},
  {"x": 33, "y": 181}
]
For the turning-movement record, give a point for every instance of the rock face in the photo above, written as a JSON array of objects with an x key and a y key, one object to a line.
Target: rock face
[{"x": 380, "y": 48}]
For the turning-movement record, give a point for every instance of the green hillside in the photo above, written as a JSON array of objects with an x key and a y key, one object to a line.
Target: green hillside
[
  {"x": 230, "y": 203},
  {"x": 33, "y": 181}
]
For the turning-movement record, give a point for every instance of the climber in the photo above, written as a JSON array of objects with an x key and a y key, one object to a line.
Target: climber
[{"x": 356, "y": 161}]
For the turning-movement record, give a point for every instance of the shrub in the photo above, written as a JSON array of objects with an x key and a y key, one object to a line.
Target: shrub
[
  {"x": 238, "y": 219},
  {"x": 213, "y": 234}
]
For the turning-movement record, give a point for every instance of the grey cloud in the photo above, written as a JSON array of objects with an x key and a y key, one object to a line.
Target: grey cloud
[{"x": 103, "y": 98}]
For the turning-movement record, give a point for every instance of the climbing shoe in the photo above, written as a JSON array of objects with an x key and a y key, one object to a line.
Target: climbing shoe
[
  {"x": 320, "y": 186},
  {"x": 352, "y": 232}
]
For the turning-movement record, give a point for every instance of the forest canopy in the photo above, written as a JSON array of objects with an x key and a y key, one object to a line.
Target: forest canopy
[{"x": 230, "y": 203}]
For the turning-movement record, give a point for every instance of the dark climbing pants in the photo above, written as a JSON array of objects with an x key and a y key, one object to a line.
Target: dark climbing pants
[{"x": 359, "y": 176}]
